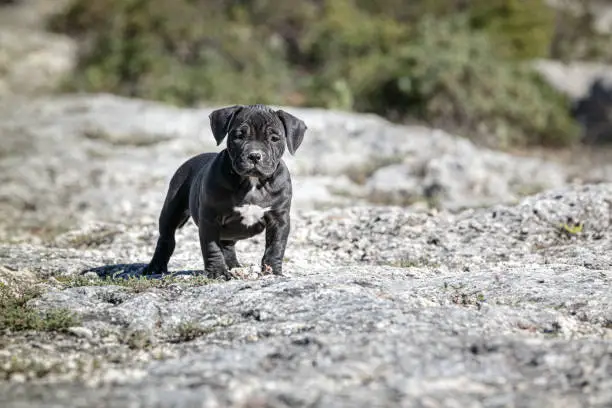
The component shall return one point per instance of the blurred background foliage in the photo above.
(462, 65)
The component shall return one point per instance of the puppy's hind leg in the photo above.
(174, 215)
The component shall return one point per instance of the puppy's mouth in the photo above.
(259, 170)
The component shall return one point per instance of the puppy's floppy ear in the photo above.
(220, 121)
(294, 130)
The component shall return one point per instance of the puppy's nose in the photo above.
(255, 157)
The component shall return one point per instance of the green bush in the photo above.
(176, 51)
(450, 77)
(519, 29)
(454, 64)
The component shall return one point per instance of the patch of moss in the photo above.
(415, 263)
(137, 340)
(571, 228)
(16, 315)
(134, 284)
(462, 297)
(189, 331)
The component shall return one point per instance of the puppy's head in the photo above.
(256, 137)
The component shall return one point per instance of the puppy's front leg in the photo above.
(210, 243)
(277, 233)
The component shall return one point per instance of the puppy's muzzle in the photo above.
(255, 163)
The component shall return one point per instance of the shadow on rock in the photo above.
(126, 271)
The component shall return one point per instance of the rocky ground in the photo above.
(65, 160)
(422, 270)
(488, 287)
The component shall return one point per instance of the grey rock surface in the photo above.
(73, 159)
(493, 307)
(469, 295)
(474, 293)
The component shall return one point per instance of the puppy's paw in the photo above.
(154, 270)
(222, 274)
(232, 265)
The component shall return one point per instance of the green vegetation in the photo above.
(519, 29)
(16, 315)
(460, 66)
(460, 296)
(189, 331)
(134, 284)
(415, 263)
(571, 228)
(137, 339)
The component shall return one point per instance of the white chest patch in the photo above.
(251, 214)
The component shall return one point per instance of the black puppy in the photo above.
(236, 193)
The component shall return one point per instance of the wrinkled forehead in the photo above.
(257, 117)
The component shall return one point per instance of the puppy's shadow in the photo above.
(133, 270)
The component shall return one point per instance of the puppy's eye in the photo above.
(239, 134)
(275, 138)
